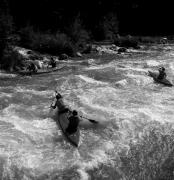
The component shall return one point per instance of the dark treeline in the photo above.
(64, 26)
(135, 17)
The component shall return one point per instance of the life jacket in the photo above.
(161, 75)
(73, 124)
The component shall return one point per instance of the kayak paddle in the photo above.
(91, 120)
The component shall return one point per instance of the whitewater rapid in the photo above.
(114, 91)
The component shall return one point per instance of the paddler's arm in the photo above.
(53, 105)
(165, 75)
(80, 119)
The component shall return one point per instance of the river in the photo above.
(112, 89)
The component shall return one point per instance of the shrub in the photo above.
(110, 26)
(54, 44)
(107, 28)
(77, 33)
(126, 41)
(149, 40)
(57, 43)
(26, 36)
(6, 25)
(12, 59)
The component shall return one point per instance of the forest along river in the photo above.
(114, 91)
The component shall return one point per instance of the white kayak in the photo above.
(62, 120)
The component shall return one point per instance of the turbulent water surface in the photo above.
(114, 91)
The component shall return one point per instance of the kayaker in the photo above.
(32, 67)
(162, 73)
(53, 63)
(73, 122)
(59, 104)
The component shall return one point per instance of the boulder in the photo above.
(78, 54)
(38, 64)
(164, 40)
(87, 49)
(122, 50)
(63, 57)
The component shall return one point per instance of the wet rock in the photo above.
(30, 52)
(78, 54)
(164, 40)
(33, 55)
(114, 47)
(87, 49)
(32, 67)
(38, 64)
(63, 57)
(122, 50)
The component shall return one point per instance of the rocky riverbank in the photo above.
(19, 59)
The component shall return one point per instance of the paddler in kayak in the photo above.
(73, 118)
(59, 104)
(73, 123)
(162, 73)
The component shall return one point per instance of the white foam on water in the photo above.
(33, 128)
(83, 174)
(32, 91)
(91, 61)
(2, 95)
(158, 113)
(123, 82)
(171, 54)
(97, 157)
(124, 113)
(36, 127)
(137, 50)
(168, 48)
(153, 63)
(171, 66)
(103, 66)
(46, 126)
(34, 161)
(134, 69)
(140, 79)
(7, 87)
(10, 109)
(31, 152)
(98, 101)
(90, 80)
(108, 145)
(28, 158)
(4, 75)
(23, 139)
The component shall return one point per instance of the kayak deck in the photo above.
(162, 81)
(62, 120)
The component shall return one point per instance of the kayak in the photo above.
(62, 120)
(162, 81)
(40, 71)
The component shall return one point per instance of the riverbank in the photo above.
(17, 59)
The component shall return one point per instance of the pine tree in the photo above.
(5, 26)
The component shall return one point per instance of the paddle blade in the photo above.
(93, 121)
